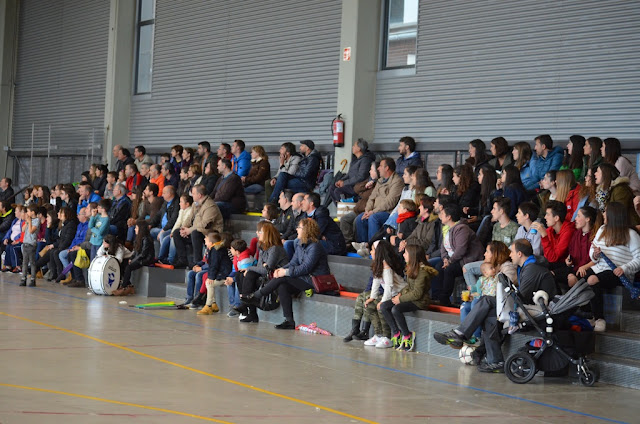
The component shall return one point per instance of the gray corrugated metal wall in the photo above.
(62, 65)
(518, 69)
(262, 71)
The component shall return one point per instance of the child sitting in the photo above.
(486, 286)
(144, 256)
(219, 268)
(32, 225)
(99, 225)
(242, 259)
(12, 241)
(407, 212)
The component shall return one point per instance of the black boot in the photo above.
(355, 329)
(364, 334)
(252, 316)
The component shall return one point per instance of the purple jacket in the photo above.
(466, 246)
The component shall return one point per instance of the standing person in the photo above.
(304, 180)
(361, 160)
(414, 296)
(556, 237)
(219, 269)
(612, 153)
(310, 259)
(501, 154)
(574, 159)
(241, 161)
(621, 243)
(611, 187)
(259, 173)
(408, 155)
(289, 163)
(29, 246)
(144, 256)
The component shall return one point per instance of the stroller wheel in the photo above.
(520, 367)
(588, 378)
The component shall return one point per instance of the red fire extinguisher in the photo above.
(337, 129)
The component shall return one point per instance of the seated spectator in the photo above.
(363, 192)
(460, 246)
(112, 178)
(361, 161)
(548, 158)
(224, 152)
(331, 237)
(304, 180)
(86, 196)
(134, 179)
(510, 186)
(408, 155)
(522, 157)
(291, 231)
(61, 262)
(259, 173)
(423, 234)
(487, 179)
(138, 208)
(241, 160)
(141, 157)
(486, 286)
(612, 154)
(162, 222)
(310, 259)
(204, 152)
(170, 177)
(44, 195)
(409, 192)
(611, 187)
(549, 191)
(144, 256)
(504, 229)
(100, 181)
(406, 221)
(587, 193)
(219, 269)
(270, 212)
(6, 191)
(574, 159)
(111, 246)
(501, 154)
(384, 197)
(567, 192)
(184, 183)
(209, 178)
(176, 159)
(467, 194)
(165, 158)
(188, 157)
(194, 173)
(271, 256)
(531, 278)
(122, 178)
(620, 242)
(527, 214)
(50, 236)
(206, 217)
(99, 225)
(387, 273)
(414, 296)
(156, 176)
(11, 241)
(119, 212)
(69, 197)
(228, 191)
(592, 150)
(167, 253)
(444, 176)
(66, 235)
(578, 262)
(289, 163)
(556, 237)
(123, 158)
(285, 202)
(7, 215)
(477, 155)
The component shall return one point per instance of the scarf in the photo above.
(404, 216)
(602, 197)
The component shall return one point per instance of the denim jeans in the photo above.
(465, 308)
(165, 244)
(472, 273)
(365, 229)
(194, 282)
(131, 233)
(391, 221)
(226, 209)
(285, 181)
(289, 247)
(154, 233)
(234, 295)
(64, 258)
(254, 189)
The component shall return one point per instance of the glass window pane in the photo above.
(146, 10)
(145, 49)
(401, 34)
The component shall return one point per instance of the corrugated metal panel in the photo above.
(62, 65)
(262, 71)
(517, 69)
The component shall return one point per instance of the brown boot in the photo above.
(128, 291)
(39, 274)
(214, 307)
(206, 310)
(67, 280)
(118, 292)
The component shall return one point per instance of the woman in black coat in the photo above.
(65, 234)
(144, 256)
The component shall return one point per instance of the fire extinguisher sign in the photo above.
(346, 54)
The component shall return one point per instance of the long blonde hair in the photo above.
(565, 182)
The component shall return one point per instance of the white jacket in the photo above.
(391, 282)
(626, 257)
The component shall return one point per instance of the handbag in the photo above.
(324, 283)
(271, 301)
(82, 260)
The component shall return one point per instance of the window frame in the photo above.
(139, 25)
(385, 41)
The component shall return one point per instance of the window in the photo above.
(400, 34)
(144, 48)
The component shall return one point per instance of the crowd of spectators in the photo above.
(554, 209)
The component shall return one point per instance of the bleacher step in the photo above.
(618, 371)
(620, 344)
(630, 322)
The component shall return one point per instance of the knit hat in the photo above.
(310, 144)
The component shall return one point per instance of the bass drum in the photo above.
(104, 275)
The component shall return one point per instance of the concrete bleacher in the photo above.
(617, 350)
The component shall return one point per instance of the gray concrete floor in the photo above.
(69, 357)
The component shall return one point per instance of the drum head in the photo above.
(104, 275)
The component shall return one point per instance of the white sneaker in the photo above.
(383, 343)
(372, 341)
(357, 246)
(242, 316)
(601, 325)
(364, 252)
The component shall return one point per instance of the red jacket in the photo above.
(572, 201)
(133, 182)
(579, 249)
(556, 246)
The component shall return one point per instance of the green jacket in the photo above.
(417, 289)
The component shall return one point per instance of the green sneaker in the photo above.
(408, 342)
(396, 341)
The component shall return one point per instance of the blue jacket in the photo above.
(8, 234)
(308, 259)
(516, 195)
(241, 164)
(81, 232)
(93, 198)
(220, 266)
(99, 228)
(542, 165)
(309, 168)
(330, 232)
(413, 160)
(527, 175)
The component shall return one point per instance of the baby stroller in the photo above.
(557, 346)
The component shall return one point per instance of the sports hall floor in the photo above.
(67, 357)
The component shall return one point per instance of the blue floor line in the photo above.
(423, 377)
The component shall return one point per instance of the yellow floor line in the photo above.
(169, 411)
(175, 364)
